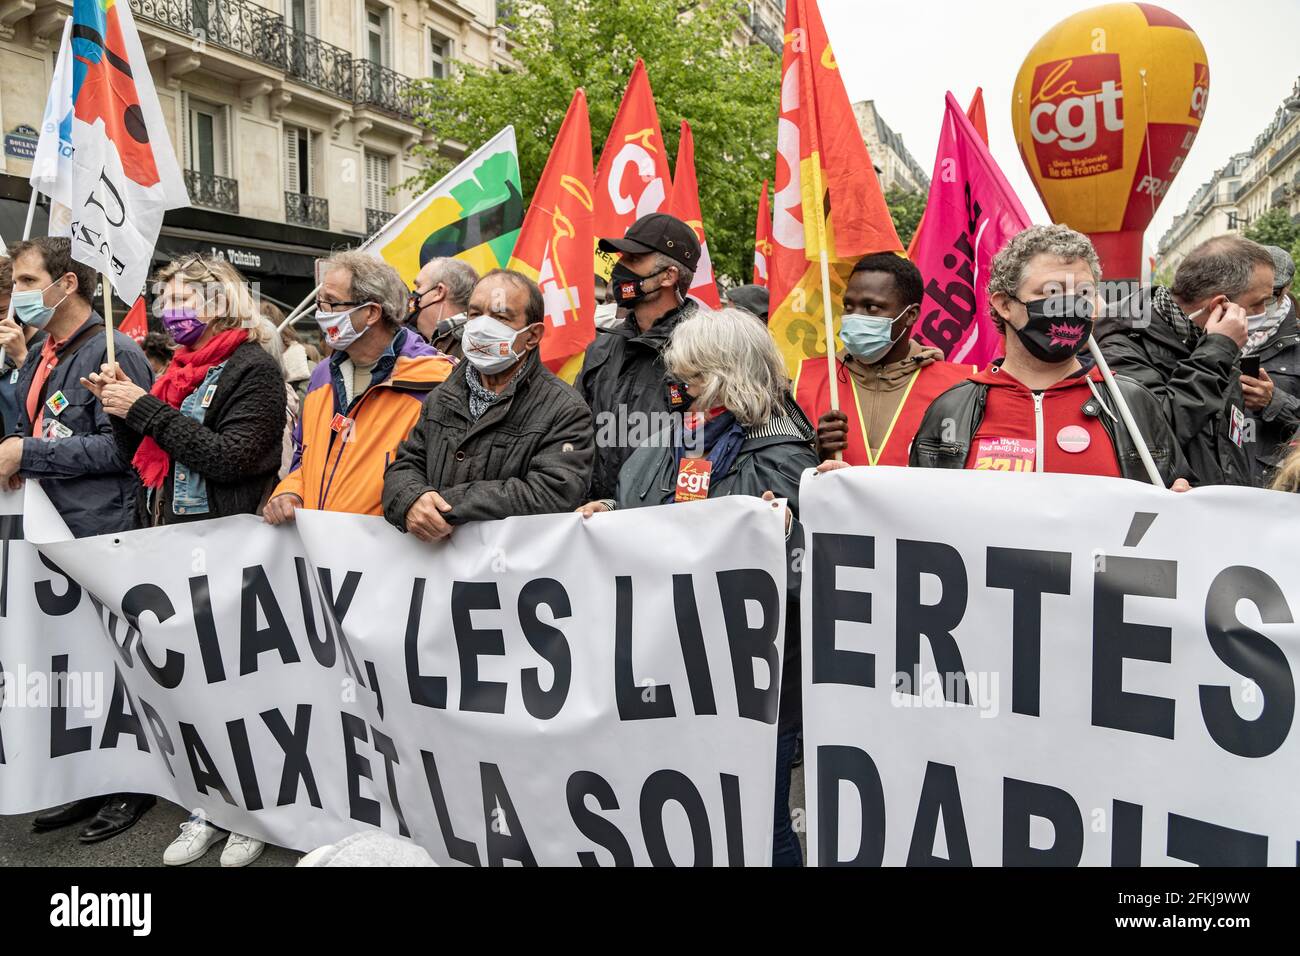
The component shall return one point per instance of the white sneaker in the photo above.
(241, 850)
(197, 834)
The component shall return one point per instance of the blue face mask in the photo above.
(867, 337)
(30, 308)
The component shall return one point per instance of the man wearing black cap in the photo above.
(623, 378)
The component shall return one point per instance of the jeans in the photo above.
(785, 842)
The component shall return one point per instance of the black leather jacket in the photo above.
(939, 445)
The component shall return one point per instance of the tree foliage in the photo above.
(726, 91)
(905, 208)
(1274, 228)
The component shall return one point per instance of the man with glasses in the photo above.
(361, 403)
(1186, 348)
(1273, 395)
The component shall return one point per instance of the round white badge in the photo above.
(1074, 439)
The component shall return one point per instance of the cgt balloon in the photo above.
(1105, 108)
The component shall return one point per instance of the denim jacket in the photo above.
(189, 488)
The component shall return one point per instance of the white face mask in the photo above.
(489, 344)
(338, 329)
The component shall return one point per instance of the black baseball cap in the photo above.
(659, 232)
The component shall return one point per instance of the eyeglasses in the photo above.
(323, 305)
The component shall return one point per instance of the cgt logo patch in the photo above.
(1200, 91)
(1077, 116)
(693, 479)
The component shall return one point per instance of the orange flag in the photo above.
(135, 324)
(975, 113)
(762, 239)
(685, 205)
(555, 241)
(632, 178)
(827, 194)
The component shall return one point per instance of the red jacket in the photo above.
(1023, 430)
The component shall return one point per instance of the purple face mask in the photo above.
(183, 325)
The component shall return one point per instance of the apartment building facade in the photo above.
(293, 120)
(895, 166)
(1263, 178)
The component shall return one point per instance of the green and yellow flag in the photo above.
(473, 213)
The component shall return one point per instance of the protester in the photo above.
(754, 440)
(439, 302)
(15, 339)
(622, 376)
(205, 439)
(885, 379)
(502, 436)
(272, 344)
(64, 437)
(1287, 477)
(365, 399)
(752, 298)
(296, 356)
(1184, 348)
(158, 348)
(1273, 397)
(1039, 408)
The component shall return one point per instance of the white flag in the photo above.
(52, 165)
(115, 168)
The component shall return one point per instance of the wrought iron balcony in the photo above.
(768, 36)
(376, 219)
(319, 64)
(383, 89)
(303, 210)
(236, 25)
(212, 192)
(1284, 153)
(1280, 196)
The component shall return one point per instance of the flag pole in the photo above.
(111, 357)
(1125, 414)
(827, 317)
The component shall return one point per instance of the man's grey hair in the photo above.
(457, 275)
(685, 276)
(1219, 266)
(1007, 271)
(373, 280)
(735, 360)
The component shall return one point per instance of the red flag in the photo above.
(762, 239)
(827, 194)
(685, 205)
(555, 241)
(978, 119)
(632, 178)
(135, 324)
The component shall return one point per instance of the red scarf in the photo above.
(187, 370)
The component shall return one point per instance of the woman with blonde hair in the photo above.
(1287, 477)
(206, 439)
(747, 437)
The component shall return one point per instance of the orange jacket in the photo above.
(339, 466)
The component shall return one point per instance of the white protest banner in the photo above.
(1048, 670)
(541, 689)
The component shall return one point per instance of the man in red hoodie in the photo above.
(1040, 408)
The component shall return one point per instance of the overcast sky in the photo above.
(906, 55)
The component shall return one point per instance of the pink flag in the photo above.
(971, 214)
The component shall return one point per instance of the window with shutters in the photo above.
(297, 160)
(439, 56)
(206, 150)
(377, 35)
(303, 16)
(377, 181)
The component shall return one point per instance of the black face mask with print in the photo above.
(1058, 327)
(627, 287)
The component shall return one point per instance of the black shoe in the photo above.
(66, 815)
(119, 814)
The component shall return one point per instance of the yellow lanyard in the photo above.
(862, 422)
